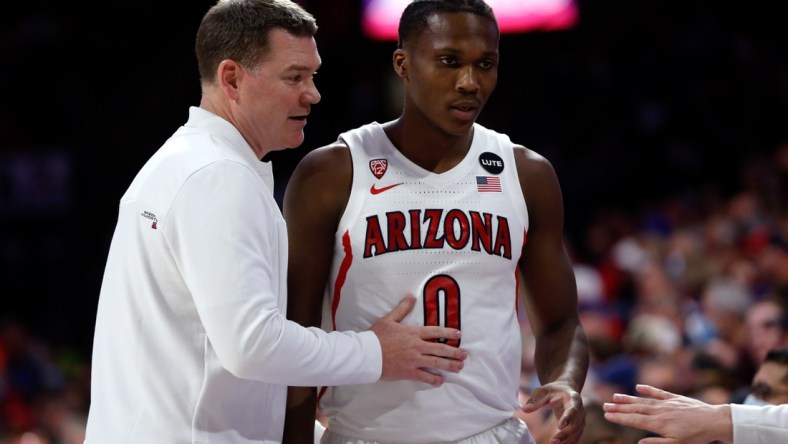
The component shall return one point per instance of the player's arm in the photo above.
(314, 200)
(561, 356)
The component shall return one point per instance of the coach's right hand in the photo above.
(409, 351)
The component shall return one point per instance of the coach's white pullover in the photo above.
(191, 342)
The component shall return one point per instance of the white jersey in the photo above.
(453, 240)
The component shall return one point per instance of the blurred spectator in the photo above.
(652, 334)
(662, 370)
(43, 398)
(601, 431)
(616, 374)
(770, 383)
(767, 327)
(725, 302)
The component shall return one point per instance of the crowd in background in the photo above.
(666, 123)
(687, 295)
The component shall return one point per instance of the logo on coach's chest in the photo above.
(151, 216)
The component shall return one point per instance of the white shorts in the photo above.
(510, 431)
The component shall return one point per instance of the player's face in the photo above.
(276, 97)
(451, 69)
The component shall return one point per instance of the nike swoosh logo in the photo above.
(374, 190)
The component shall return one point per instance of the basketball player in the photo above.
(436, 205)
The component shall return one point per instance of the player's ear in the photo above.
(400, 62)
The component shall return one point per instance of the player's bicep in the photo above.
(545, 264)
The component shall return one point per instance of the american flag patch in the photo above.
(488, 184)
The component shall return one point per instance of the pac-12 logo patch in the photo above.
(491, 162)
(378, 167)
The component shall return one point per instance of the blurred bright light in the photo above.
(380, 18)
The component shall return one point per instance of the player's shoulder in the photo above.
(533, 167)
(337, 155)
(521, 152)
(327, 157)
(526, 160)
(529, 157)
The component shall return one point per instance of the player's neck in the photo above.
(429, 147)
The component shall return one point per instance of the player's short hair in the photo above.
(238, 30)
(414, 18)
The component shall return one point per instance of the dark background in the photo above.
(641, 102)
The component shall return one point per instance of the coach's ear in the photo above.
(400, 62)
(228, 75)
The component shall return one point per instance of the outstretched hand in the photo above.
(409, 351)
(679, 419)
(567, 405)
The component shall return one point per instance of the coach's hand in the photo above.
(408, 351)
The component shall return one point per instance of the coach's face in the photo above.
(275, 98)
